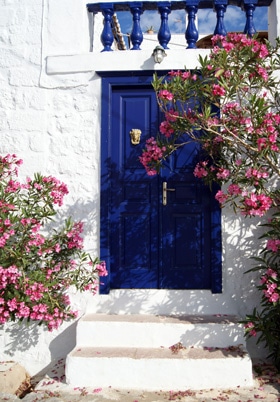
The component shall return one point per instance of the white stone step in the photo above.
(153, 331)
(159, 368)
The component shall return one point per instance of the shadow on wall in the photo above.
(29, 346)
(23, 337)
(87, 212)
(241, 243)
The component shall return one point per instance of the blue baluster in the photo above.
(249, 7)
(107, 36)
(164, 34)
(220, 7)
(136, 36)
(191, 34)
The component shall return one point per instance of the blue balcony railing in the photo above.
(164, 8)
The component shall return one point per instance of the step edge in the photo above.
(189, 353)
(161, 318)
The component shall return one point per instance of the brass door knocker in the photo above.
(135, 135)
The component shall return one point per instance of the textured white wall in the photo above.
(50, 117)
(52, 123)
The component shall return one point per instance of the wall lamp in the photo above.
(159, 54)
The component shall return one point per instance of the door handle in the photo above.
(164, 192)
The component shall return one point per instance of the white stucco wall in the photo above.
(50, 117)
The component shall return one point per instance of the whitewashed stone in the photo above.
(50, 104)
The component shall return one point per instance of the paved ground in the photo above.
(53, 389)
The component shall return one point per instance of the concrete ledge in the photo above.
(127, 60)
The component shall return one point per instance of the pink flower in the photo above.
(273, 245)
(256, 204)
(223, 174)
(263, 73)
(270, 272)
(41, 308)
(263, 51)
(12, 186)
(274, 298)
(101, 269)
(38, 186)
(175, 73)
(75, 240)
(12, 304)
(2, 242)
(166, 129)
(250, 327)
(200, 171)
(57, 248)
(151, 156)
(186, 74)
(23, 310)
(59, 189)
(171, 115)
(270, 287)
(255, 173)
(263, 279)
(217, 90)
(228, 46)
(262, 143)
(221, 197)
(165, 95)
(234, 189)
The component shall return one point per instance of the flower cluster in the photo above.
(250, 329)
(256, 204)
(236, 42)
(228, 106)
(152, 155)
(250, 204)
(269, 282)
(38, 264)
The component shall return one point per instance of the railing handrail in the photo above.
(108, 9)
(124, 5)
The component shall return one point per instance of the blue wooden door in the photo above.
(158, 232)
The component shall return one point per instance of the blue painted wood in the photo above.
(107, 36)
(164, 34)
(191, 34)
(136, 36)
(146, 244)
(216, 245)
(249, 7)
(220, 7)
(176, 5)
(191, 6)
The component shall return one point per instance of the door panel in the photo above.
(147, 244)
(133, 193)
(186, 235)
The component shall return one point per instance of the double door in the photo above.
(160, 231)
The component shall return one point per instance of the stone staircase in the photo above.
(159, 352)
